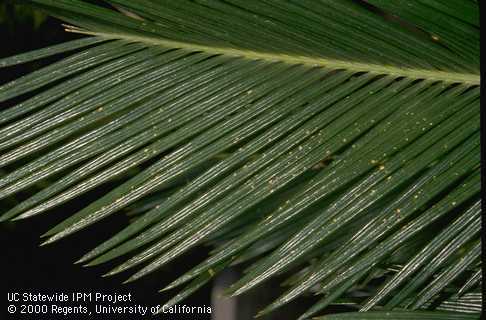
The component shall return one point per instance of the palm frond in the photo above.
(345, 133)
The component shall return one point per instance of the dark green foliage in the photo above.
(329, 141)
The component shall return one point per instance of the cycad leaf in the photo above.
(342, 132)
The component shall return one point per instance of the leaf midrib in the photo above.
(425, 74)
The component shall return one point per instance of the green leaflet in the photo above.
(469, 303)
(401, 315)
(46, 52)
